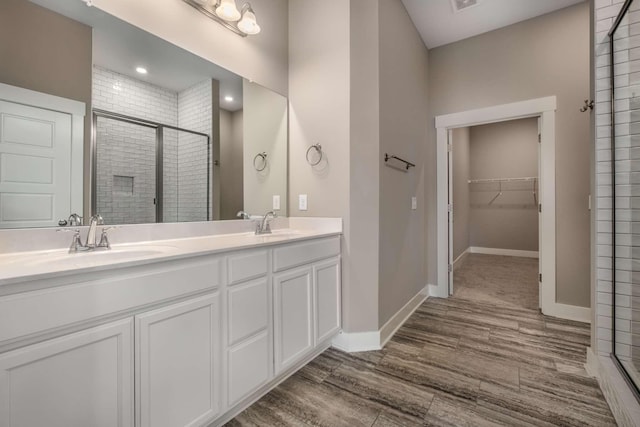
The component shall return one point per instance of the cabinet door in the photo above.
(250, 363)
(81, 379)
(327, 292)
(293, 330)
(178, 363)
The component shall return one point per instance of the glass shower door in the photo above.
(125, 171)
(186, 176)
(625, 200)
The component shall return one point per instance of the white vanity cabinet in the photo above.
(249, 324)
(306, 298)
(186, 342)
(179, 363)
(80, 379)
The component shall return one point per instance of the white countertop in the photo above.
(38, 265)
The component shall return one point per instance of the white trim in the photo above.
(41, 100)
(498, 113)
(623, 404)
(352, 342)
(543, 108)
(436, 291)
(569, 312)
(397, 320)
(376, 340)
(503, 252)
(76, 110)
(458, 262)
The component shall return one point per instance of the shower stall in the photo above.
(147, 172)
(625, 193)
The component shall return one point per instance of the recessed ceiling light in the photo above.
(459, 5)
(141, 70)
(228, 98)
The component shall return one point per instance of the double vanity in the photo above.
(184, 331)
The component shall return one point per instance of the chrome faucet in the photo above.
(90, 245)
(91, 235)
(243, 215)
(263, 227)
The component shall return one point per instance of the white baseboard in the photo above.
(568, 312)
(352, 342)
(398, 319)
(504, 252)
(458, 262)
(623, 404)
(369, 341)
(436, 291)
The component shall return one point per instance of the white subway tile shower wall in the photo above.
(194, 113)
(131, 152)
(627, 68)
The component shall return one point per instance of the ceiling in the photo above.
(439, 25)
(121, 47)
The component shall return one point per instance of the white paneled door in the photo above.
(35, 166)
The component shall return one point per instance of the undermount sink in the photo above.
(282, 233)
(62, 259)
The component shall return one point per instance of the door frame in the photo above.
(545, 109)
(76, 110)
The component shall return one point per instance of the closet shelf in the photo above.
(484, 181)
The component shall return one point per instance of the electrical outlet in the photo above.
(414, 203)
(302, 202)
(276, 202)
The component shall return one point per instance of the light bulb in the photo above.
(228, 11)
(248, 24)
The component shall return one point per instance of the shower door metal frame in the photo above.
(159, 127)
(635, 388)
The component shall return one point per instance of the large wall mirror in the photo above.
(166, 136)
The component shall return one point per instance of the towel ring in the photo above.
(318, 149)
(263, 156)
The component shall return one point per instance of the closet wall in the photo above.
(482, 217)
(504, 150)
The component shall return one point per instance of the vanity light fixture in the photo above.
(225, 12)
(228, 98)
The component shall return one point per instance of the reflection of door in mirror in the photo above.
(36, 159)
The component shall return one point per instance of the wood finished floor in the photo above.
(455, 362)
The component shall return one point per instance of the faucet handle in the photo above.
(76, 241)
(104, 238)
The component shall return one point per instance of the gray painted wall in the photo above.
(264, 130)
(548, 55)
(461, 208)
(504, 150)
(261, 58)
(403, 132)
(371, 81)
(36, 39)
(231, 167)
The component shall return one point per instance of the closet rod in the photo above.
(480, 181)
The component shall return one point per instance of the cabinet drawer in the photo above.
(84, 299)
(304, 253)
(249, 364)
(248, 309)
(246, 266)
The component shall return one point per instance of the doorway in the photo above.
(494, 188)
(544, 108)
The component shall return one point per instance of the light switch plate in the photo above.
(276, 202)
(414, 203)
(302, 202)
